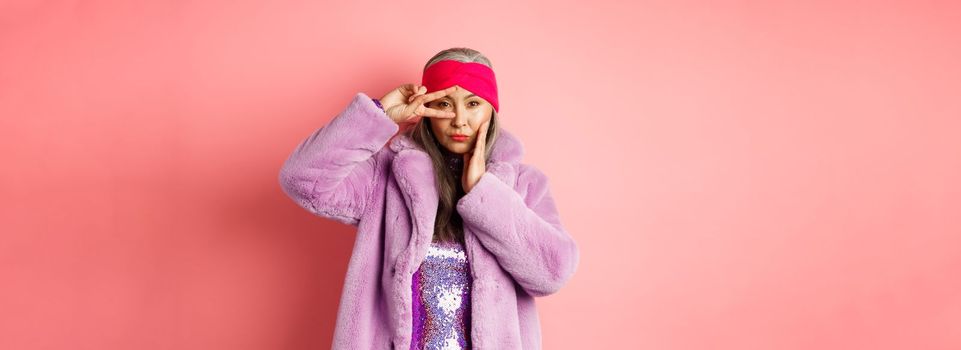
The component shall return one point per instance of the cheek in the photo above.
(433, 123)
(478, 118)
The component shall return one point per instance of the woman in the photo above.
(455, 235)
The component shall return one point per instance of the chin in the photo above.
(459, 149)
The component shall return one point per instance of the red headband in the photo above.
(475, 77)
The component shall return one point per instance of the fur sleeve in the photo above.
(524, 231)
(333, 171)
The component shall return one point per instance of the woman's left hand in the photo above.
(475, 164)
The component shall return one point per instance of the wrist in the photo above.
(379, 105)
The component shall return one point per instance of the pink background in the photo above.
(741, 175)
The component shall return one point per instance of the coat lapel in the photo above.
(413, 172)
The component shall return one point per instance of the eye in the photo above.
(476, 103)
(442, 103)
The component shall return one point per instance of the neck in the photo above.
(454, 161)
(448, 154)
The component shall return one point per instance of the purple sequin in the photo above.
(441, 299)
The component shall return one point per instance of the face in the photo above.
(471, 111)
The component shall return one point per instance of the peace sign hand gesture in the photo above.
(475, 162)
(405, 104)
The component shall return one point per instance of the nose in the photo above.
(460, 117)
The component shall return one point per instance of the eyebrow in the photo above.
(468, 96)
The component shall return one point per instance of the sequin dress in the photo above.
(441, 292)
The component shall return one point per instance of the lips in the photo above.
(459, 137)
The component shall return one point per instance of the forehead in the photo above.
(461, 93)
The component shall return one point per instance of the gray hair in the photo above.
(461, 54)
(448, 224)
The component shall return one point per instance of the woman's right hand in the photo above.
(405, 104)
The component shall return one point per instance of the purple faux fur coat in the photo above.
(514, 239)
